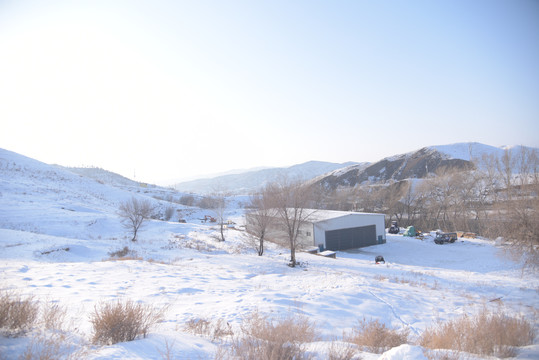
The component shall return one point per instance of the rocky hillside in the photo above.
(411, 165)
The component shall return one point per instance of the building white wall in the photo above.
(313, 234)
(348, 221)
(276, 233)
(306, 236)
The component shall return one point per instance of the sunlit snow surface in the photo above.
(57, 230)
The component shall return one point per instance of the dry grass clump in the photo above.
(267, 339)
(43, 348)
(120, 321)
(339, 350)
(17, 314)
(53, 316)
(124, 254)
(212, 329)
(443, 355)
(486, 334)
(375, 337)
(53, 346)
(182, 242)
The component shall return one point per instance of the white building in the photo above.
(338, 230)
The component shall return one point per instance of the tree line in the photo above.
(498, 197)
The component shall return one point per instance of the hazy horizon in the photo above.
(171, 89)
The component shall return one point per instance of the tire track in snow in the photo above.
(394, 312)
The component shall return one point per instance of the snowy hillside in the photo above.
(59, 231)
(251, 181)
(468, 151)
(102, 175)
(44, 199)
(416, 164)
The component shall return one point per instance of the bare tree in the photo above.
(519, 212)
(220, 210)
(187, 200)
(134, 212)
(412, 202)
(505, 167)
(291, 199)
(392, 197)
(260, 218)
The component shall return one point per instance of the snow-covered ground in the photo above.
(58, 229)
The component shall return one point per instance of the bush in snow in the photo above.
(17, 314)
(375, 337)
(124, 254)
(187, 200)
(169, 211)
(486, 334)
(213, 329)
(53, 316)
(339, 350)
(267, 339)
(53, 346)
(122, 321)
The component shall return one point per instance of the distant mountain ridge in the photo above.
(413, 165)
(250, 181)
(416, 164)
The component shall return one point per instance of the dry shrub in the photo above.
(267, 339)
(486, 334)
(53, 316)
(198, 326)
(52, 346)
(212, 329)
(342, 351)
(17, 314)
(168, 353)
(123, 253)
(126, 258)
(120, 321)
(190, 243)
(375, 337)
(442, 355)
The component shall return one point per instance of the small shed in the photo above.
(333, 230)
(342, 230)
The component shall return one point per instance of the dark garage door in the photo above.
(351, 238)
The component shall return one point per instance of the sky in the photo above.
(163, 90)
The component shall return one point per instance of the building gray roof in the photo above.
(318, 215)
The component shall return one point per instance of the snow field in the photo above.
(58, 229)
(334, 293)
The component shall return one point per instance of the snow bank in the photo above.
(404, 352)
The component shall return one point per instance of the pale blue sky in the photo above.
(171, 89)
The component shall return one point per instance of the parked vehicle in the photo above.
(394, 229)
(442, 238)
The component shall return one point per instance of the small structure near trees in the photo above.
(281, 213)
(281, 205)
(325, 229)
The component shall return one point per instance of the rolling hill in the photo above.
(251, 181)
(416, 164)
(60, 234)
